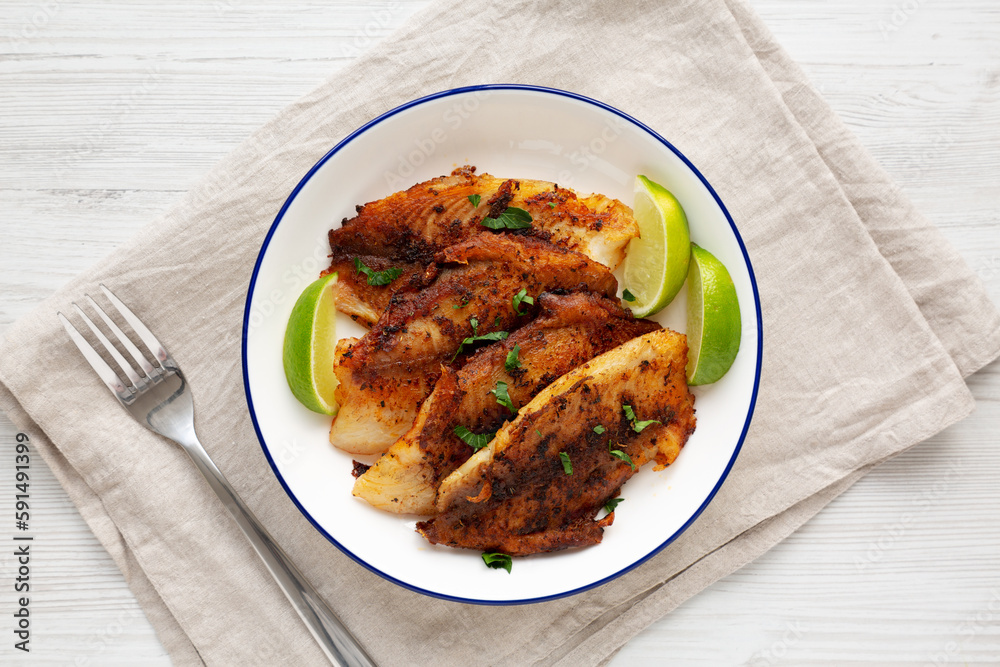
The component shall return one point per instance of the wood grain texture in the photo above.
(111, 111)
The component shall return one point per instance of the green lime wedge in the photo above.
(657, 261)
(309, 344)
(713, 319)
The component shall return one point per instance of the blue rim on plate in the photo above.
(423, 100)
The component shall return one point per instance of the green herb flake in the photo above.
(503, 398)
(377, 278)
(476, 441)
(474, 200)
(475, 324)
(619, 454)
(639, 426)
(552, 204)
(628, 296)
(512, 361)
(519, 298)
(497, 561)
(465, 302)
(512, 218)
(612, 504)
(471, 340)
(567, 464)
(599, 429)
(539, 433)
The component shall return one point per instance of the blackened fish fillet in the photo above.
(407, 229)
(540, 483)
(468, 291)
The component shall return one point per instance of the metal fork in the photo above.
(159, 398)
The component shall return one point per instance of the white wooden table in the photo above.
(110, 111)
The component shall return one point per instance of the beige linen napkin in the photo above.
(870, 323)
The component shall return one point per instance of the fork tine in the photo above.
(145, 334)
(139, 357)
(99, 365)
(112, 350)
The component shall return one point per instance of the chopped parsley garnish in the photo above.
(612, 504)
(552, 204)
(474, 199)
(567, 464)
(377, 278)
(512, 361)
(476, 441)
(628, 296)
(497, 561)
(503, 398)
(619, 454)
(465, 302)
(539, 433)
(512, 218)
(471, 340)
(475, 324)
(519, 298)
(599, 429)
(638, 426)
(496, 321)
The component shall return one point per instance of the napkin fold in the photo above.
(871, 321)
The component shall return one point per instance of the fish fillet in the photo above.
(407, 229)
(515, 496)
(568, 331)
(467, 291)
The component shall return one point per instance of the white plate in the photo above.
(507, 131)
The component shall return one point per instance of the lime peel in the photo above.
(714, 327)
(657, 261)
(308, 351)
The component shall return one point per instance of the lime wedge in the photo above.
(657, 261)
(309, 344)
(713, 319)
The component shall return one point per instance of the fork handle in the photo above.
(331, 635)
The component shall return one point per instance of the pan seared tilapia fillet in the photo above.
(568, 331)
(514, 496)
(386, 375)
(407, 229)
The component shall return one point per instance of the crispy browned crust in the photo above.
(515, 496)
(387, 374)
(569, 330)
(407, 229)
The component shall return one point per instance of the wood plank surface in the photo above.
(112, 110)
